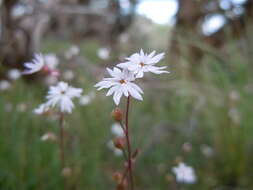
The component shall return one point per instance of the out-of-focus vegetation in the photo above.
(200, 114)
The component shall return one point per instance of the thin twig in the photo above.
(130, 170)
(61, 125)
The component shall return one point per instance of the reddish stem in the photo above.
(62, 155)
(130, 169)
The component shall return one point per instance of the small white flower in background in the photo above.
(73, 51)
(234, 115)
(22, 107)
(116, 151)
(14, 74)
(117, 130)
(184, 174)
(50, 80)
(61, 96)
(4, 85)
(35, 65)
(40, 62)
(50, 136)
(103, 53)
(120, 84)
(86, 99)
(207, 150)
(8, 107)
(140, 63)
(124, 38)
(43, 108)
(68, 75)
(51, 60)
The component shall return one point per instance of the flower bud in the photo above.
(117, 114)
(122, 185)
(117, 177)
(119, 142)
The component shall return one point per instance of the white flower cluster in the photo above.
(184, 173)
(122, 80)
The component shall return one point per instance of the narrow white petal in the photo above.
(134, 93)
(112, 90)
(136, 87)
(140, 74)
(117, 96)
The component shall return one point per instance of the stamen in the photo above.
(122, 81)
(142, 64)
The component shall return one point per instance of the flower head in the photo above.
(40, 62)
(141, 62)
(120, 84)
(51, 60)
(4, 85)
(35, 65)
(14, 74)
(61, 96)
(184, 173)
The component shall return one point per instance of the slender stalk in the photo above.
(130, 169)
(61, 125)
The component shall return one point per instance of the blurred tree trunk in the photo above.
(187, 34)
(186, 29)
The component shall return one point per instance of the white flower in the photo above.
(68, 75)
(22, 107)
(73, 51)
(50, 80)
(41, 109)
(51, 60)
(4, 85)
(116, 151)
(47, 63)
(14, 74)
(86, 99)
(120, 84)
(61, 96)
(184, 173)
(103, 53)
(36, 65)
(117, 130)
(207, 150)
(140, 63)
(49, 136)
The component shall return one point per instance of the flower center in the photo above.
(63, 92)
(122, 81)
(141, 64)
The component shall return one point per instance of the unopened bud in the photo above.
(45, 69)
(119, 142)
(122, 185)
(117, 114)
(117, 177)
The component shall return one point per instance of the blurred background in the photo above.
(200, 114)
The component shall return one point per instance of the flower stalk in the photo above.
(129, 161)
(62, 152)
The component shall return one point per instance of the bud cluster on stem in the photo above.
(124, 144)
